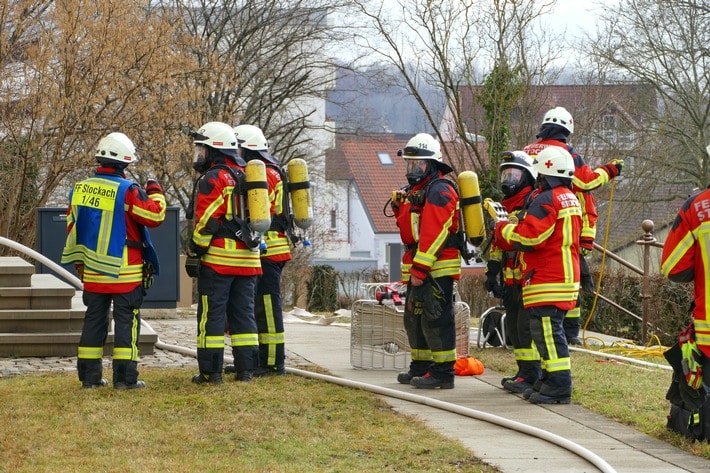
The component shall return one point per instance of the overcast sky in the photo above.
(580, 15)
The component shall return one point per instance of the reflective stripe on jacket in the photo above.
(548, 238)
(213, 209)
(686, 258)
(426, 229)
(100, 222)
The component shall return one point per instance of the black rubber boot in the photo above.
(244, 376)
(429, 382)
(518, 385)
(137, 385)
(91, 373)
(278, 370)
(539, 398)
(207, 378)
(405, 377)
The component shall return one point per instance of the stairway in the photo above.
(41, 315)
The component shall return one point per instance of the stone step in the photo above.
(46, 291)
(63, 344)
(15, 272)
(41, 321)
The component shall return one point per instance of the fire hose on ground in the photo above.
(575, 448)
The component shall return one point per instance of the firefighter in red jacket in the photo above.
(268, 307)
(685, 258)
(111, 249)
(223, 253)
(548, 240)
(427, 213)
(557, 125)
(517, 178)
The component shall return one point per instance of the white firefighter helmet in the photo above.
(250, 137)
(559, 116)
(425, 146)
(116, 147)
(554, 161)
(217, 135)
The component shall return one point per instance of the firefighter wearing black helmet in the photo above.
(548, 241)
(504, 275)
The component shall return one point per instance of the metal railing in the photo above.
(647, 241)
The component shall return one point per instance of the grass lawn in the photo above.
(279, 424)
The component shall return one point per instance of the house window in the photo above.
(334, 219)
(609, 129)
(385, 158)
(608, 122)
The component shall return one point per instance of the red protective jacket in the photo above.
(428, 225)
(509, 260)
(213, 209)
(686, 257)
(548, 237)
(585, 180)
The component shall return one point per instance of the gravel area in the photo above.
(180, 331)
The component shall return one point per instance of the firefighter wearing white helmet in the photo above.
(555, 130)
(115, 261)
(504, 274)
(427, 213)
(559, 116)
(268, 309)
(223, 255)
(547, 240)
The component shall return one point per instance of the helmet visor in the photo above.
(417, 167)
(511, 175)
(511, 179)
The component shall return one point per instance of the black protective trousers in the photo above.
(127, 322)
(268, 311)
(226, 298)
(517, 321)
(433, 336)
(549, 336)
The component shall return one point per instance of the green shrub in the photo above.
(668, 307)
(323, 289)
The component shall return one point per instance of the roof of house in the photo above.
(586, 103)
(357, 158)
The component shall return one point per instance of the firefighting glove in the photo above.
(153, 187)
(398, 197)
(148, 272)
(426, 299)
(192, 265)
(492, 282)
(493, 286)
(679, 393)
(585, 275)
(613, 167)
(692, 363)
(496, 210)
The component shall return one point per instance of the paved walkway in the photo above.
(319, 342)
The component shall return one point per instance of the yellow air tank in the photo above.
(471, 207)
(258, 196)
(300, 189)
